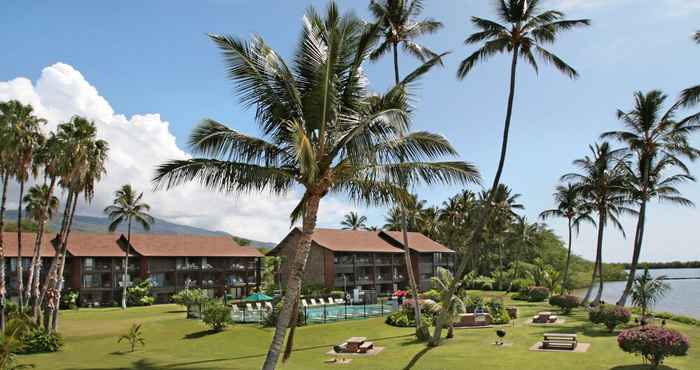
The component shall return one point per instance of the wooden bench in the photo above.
(366, 346)
(559, 341)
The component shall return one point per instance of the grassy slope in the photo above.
(176, 343)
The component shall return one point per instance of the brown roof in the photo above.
(418, 242)
(172, 245)
(82, 244)
(352, 241)
(28, 239)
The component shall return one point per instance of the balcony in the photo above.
(188, 267)
(382, 261)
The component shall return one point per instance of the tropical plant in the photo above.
(603, 186)
(565, 302)
(609, 315)
(327, 134)
(455, 305)
(538, 293)
(353, 221)
(140, 294)
(648, 290)
(128, 207)
(524, 30)
(569, 206)
(134, 336)
(11, 341)
(191, 298)
(691, 95)
(39, 340)
(217, 316)
(658, 143)
(653, 343)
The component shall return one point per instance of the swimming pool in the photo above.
(323, 313)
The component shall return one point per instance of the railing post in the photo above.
(364, 305)
(346, 309)
(244, 310)
(381, 307)
(306, 315)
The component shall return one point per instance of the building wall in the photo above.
(316, 271)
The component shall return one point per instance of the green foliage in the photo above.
(653, 343)
(270, 264)
(217, 316)
(565, 302)
(406, 318)
(537, 293)
(134, 336)
(11, 340)
(647, 290)
(432, 294)
(39, 340)
(498, 312)
(270, 320)
(70, 300)
(139, 294)
(314, 290)
(671, 316)
(521, 285)
(191, 299)
(609, 315)
(482, 283)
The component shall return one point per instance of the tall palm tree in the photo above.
(127, 207)
(324, 132)
(570, 206)
(6, 152)
(648, 290)
(353, 221)
(396, 20)
(656, 139)
(26, 136)
(41, 206)
(521, 236)
(602, 184)
(691, 95)
(524, 30)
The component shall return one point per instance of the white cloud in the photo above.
(141, 142)
(671, 7)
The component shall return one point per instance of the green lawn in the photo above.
(174, 342)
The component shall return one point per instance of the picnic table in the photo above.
(559, 341)
(352, 345)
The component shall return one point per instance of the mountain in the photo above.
(100, 224)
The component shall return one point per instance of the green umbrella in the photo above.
(258, 297)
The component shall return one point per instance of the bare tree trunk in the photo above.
(475, 239)
(126, 264)
(638, 237)
(296, 275)
(598, 257)
(55, 305)
(565, 282)
(35, 268)
(3, 289)
(20, 268)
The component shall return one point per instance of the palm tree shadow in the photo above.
(200, 334)
(144, 365)
(417, 357)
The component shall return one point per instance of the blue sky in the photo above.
(154, 57)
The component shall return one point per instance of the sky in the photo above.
(147, 74)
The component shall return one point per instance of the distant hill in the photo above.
(100, 224)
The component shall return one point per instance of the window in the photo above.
(89, 264)
(157, 279)
(13, 264)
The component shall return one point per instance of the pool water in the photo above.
(343, 312)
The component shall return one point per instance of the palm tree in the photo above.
(353, 221)
(524, 31)
(691, 95)
(521, 236)
(654, 137)
(602, 184)
(452, 305)
(325, 132)
(127, 206)
(570, 206)
(396, 19)
(5, 171)
(648, 290)
(41, 206)
(501, 205)
(26, 136)
(412, 208)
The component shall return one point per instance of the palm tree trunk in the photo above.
(126, 264)
(20, 269)
(292, 329)
(599, 295)
(565, 282)
(3, 291)
(475, 239)
(638, 236)
(421, 331)
(55, 305)
(35, 268)
(598, 257)
(296, 275)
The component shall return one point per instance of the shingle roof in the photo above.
(28, 240)
(417, 242)
(352, 241)
(172, 245)
(82, 244)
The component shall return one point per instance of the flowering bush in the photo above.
(653, 343)
(610, 315)
(565, 302)
(537, 293)
(400, 293)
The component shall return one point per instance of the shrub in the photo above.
(406, 318)
(217, 315)
(653, 343)
(520, 296)
(40, 341)
(537, 293)
(565, 302)
(270, 320)
(133, 336)
(70, 300)
(139, 294)
(498, 312)
(432, 294)
(338, 294)
(482, 283)
(472, 302)
(190, 298)
(609, 315)
(521, 285)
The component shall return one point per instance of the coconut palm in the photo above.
(521, 237)
(5, 172)
(452, 305)
(128, 207)
(691, 95)
(570, 206)
(656, 138)
(602, 184)
(396, 20)
(412, 208)
(524, 31)
(25, 138)
(353, 221)
(648, 290)
(41, 206)
(324, 132)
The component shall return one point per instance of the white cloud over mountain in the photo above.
(137, 145)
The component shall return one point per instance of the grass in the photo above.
(173, 342)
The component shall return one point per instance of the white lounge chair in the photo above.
(313, 302)
(249, 307)
(268, 306)
(339, 301)
(304, 303)
(258, 306)
(321, 301)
